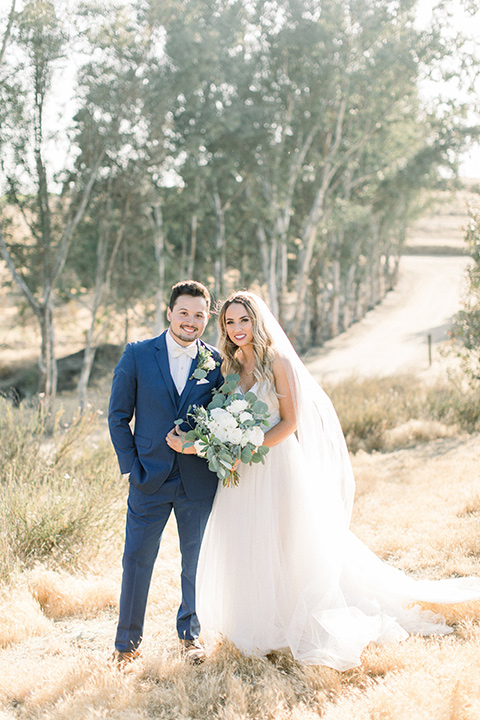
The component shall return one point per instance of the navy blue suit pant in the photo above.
(147, 516)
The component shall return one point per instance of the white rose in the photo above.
(209, 364)
(199, 446)
(223, 418)
(212, 426)
(223, 434)
(245, 416)
(254, 435)
(235, 435)
(238, 406)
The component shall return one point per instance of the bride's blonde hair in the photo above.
(263, 347)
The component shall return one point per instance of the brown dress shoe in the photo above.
(121, 658)
(193, 651)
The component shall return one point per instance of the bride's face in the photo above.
(239, 325)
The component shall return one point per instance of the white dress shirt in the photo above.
(180, 359)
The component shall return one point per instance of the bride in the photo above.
(279, 566)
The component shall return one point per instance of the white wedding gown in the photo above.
(276, 571)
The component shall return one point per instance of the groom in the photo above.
(154, 380)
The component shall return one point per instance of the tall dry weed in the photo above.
(387, 413)
(59, 489)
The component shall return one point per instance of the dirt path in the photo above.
(393, 337)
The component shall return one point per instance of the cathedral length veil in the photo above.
(360, 597)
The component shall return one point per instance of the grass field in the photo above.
(417, 507)
(416, 462)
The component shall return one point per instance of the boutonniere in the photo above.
(205, 363)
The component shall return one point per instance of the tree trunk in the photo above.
(282, 277)
(193, 233)
(349, 298)
(314, 295)
(103, 276)
(8, 31)
(87, 364)
(309, 235)
(220, 259)
(193, 246)
(126, 327)
(268, 256)
(47, 363)
(273, 277)
(264, 255)
(335, 299)
(91, 341)
(159, 244)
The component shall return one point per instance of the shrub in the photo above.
(59, 489)
(456, 403)
(369, 409)
(466, 327)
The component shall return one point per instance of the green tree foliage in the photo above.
(298, 134)
(36, 249)
(275, 144)
(466, 329)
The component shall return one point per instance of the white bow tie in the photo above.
(190, 350)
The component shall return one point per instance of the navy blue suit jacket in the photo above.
(143, 386)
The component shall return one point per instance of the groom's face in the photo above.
(188, 318)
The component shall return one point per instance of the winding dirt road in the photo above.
(393, 337)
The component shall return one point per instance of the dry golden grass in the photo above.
(61, 595)
(21, 617)
(418, 507)
(414, 432)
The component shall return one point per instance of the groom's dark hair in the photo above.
(189, 287)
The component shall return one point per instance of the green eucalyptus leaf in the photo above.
(246, 455)
(214, 464)
(228, 387)
(233, 377)
(217, 401)
(199, 374)
(225, 455)
(260, 407)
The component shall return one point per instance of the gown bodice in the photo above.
(271, 401)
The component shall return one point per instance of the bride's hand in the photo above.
(176, 439)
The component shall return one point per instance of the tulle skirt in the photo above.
(273, 573)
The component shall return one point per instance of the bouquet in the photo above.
(228, 429)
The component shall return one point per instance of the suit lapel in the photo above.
(161, 356)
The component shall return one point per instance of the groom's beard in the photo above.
(187, 337)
